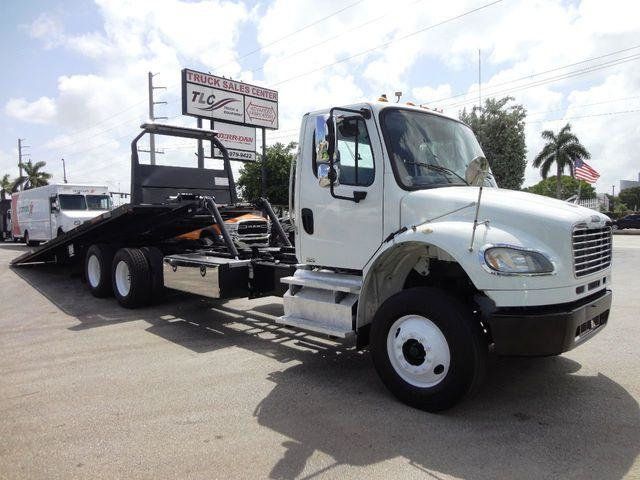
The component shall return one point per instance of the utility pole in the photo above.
(20, 154)
(64, 172)
(153, 118)
(479, 81)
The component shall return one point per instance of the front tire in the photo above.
(30, 243)
(427, 348)
(131, 278)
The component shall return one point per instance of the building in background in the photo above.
(624, 184)
(600, 203)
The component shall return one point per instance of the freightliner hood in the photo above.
(514, 218)
(519, 210)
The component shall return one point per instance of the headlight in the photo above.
(515, 261)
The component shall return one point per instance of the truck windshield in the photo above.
(72, 202)
(98, 202)
(427, 150)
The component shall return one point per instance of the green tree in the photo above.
(9, 186)
(631, 197)
(500, 130)
(562, 149)
(6, 183)
(278, 163)
(34, 176)
(568, 187)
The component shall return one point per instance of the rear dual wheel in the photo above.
(137, 276)
(132, 275)
(97, 270)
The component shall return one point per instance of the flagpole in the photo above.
(579, 182)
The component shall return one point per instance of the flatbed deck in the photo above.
(132, 225)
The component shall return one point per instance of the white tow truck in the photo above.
(403, 242)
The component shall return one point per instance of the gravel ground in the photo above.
(204, 390)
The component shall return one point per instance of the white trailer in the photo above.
(40, 214)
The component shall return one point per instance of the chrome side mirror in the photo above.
(325, 177)
(477, 171)
(324, 140)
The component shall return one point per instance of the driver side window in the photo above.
(354, 152)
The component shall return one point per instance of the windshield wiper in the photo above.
(437, 168)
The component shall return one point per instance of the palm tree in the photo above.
(563, 149)
(33, 176)
(8, 186)
(5, 183)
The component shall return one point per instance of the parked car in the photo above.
(629, 221)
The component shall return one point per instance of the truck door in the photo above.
(339, 232)
(54, 209)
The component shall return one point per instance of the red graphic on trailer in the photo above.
(15, 226)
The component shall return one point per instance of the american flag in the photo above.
(585, 172)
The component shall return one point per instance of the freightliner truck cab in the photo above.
(404, 239)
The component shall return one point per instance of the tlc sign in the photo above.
(212, 97)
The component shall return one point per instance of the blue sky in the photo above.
(75, 71)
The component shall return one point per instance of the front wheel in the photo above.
(29, 242)
(427, 348)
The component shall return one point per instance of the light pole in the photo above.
(64, 171)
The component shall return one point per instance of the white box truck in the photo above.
(40, 214)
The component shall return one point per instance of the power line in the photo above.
(604, 114)
(309, 25)
(462, 94)
(386, 44)
(330, 39)
(564, 76)
(542, 112)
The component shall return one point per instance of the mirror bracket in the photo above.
(332, 176)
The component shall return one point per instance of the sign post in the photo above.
(239, 104)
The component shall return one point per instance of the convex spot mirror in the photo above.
(324, 141)
(477, 171)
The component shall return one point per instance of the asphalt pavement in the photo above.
(200, 389)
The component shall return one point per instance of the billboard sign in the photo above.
(208, 96)
(239, 140)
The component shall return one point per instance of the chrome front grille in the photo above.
(591, 250)
(253, 227)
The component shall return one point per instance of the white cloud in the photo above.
(48, 29)
(97, 112)
(42, 110)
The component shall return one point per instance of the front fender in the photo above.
(386, 271)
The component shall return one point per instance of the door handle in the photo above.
(307, 220)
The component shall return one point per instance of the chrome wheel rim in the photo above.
(93, 271)
(123, 278)
(418, 351)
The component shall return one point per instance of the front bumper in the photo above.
(549, 330)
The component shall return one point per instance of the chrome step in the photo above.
(314, 326)
(325, 280)
(321, 301)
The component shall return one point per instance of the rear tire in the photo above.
(155, 259)
(427, 349)
(131, 278)
(30, 243)
(97, 270)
